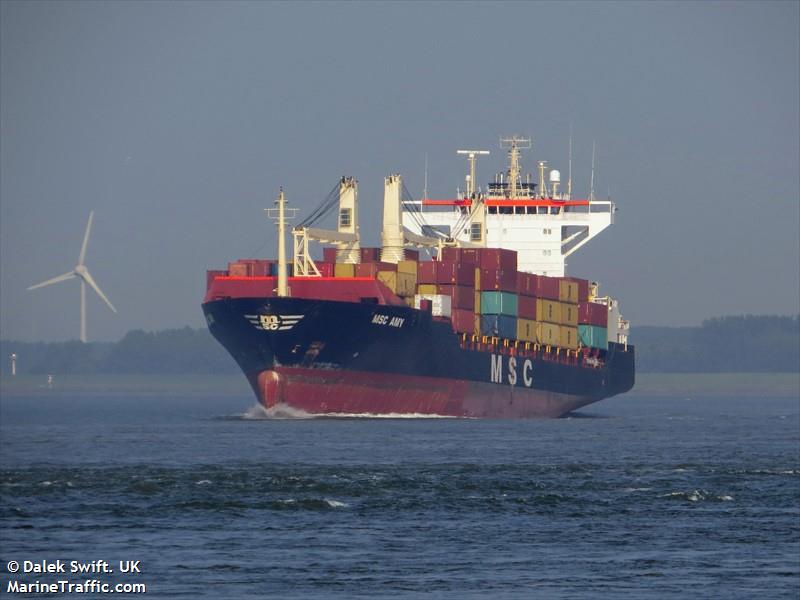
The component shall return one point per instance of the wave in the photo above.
(697, 496)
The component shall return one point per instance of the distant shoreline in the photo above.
(235, 385)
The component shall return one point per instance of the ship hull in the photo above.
(346, 358)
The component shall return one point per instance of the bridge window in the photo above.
(475, 233)
(554, 210)
(492, 210)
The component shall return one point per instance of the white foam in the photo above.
(203, 482)
(336, 503)
(283, 411)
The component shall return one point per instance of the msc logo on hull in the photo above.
(514, 373)
(274, 322)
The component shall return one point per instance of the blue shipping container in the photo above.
(593, 336)
(501, 326)
(499, 303)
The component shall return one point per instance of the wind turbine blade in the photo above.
(87, 277)
(63, 277)
(86, 238)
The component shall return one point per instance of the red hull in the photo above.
(332, 392)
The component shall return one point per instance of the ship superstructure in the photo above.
(543, 223)
(490, 328)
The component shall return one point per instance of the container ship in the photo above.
(464, 311)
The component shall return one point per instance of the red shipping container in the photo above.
(469, 256)
(463, 320)
(526, 284)
(411, 254)
(329, 255)
(583, 288)
(494, 279)
(461, 296)
(371, 269)
(444, 273)
(237, 269)
(461, 256)
(592, 313)
(526, 307)
(257, 267)
(426, 272)
(370, 255)
(498, 259)
(547, 287)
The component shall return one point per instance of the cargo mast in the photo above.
(279, 216)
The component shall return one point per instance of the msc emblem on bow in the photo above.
(274, 322)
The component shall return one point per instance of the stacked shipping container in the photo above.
(479, 290)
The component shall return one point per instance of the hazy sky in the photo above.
(178, 122)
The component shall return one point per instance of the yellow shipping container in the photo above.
(402, 284)
(548, 311)
(477, 329)
(569, 314)
(407, 266)
(548, 334)
(426, 289)
(568, 291)
(526, 330)
(569, 337)
(409, 301)
(344, 270)
(477, 302)
(477, 278)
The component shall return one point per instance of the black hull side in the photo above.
(263, 334)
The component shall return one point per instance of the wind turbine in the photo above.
(82, 273)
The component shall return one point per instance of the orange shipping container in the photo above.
(237, 269)
(407, 266)
(526, 330)
(548, 334)
(568, 291)
(548, 311)
(569, 314)
(344, 270)
(427, 289)
(568, 337)
(402, 284)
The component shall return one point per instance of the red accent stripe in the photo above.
(547, 202)
(462, 202)
(507, 202)
(271, 278)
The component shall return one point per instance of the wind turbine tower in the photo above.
(82, 273)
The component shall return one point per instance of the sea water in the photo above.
(630, 498)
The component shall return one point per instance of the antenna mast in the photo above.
(514, 144)
(279, 216)
(591, 181)
(569, 175)
(425, 189)
(471, 157)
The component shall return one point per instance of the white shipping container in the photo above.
(441, 304)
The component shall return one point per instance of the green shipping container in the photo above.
(593, 336)
(498, 303)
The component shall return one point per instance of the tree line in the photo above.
(721, 345)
